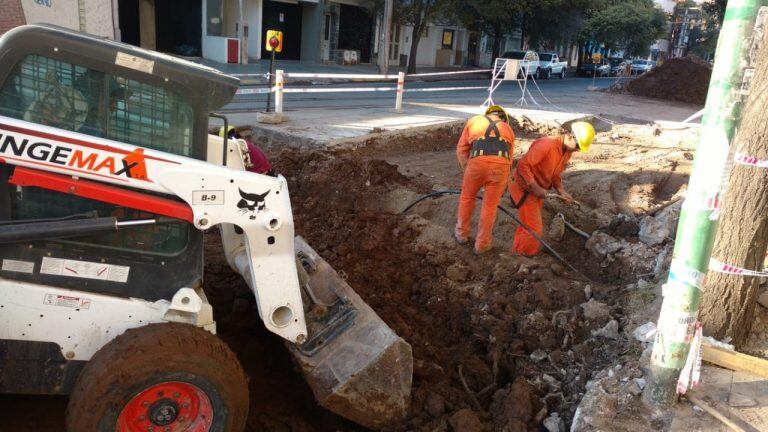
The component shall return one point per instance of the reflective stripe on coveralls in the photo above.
(490, 172)
(543, 163)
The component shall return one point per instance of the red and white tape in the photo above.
(717, 266)
(743, 159)
(691, 373)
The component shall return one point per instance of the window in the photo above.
(62, 95)
(58, 94)
(327, 33)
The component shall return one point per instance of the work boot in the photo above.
(479, 252)
(460, 240)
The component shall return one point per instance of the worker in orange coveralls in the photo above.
(537, 172)
(484, 153)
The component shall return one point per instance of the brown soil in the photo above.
(683, 79)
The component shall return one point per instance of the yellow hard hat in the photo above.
(497, 109)
(221, 130)
(584, 133)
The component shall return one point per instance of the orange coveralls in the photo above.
(543, 163)
(488, 172)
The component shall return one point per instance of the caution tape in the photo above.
(338, 89)
(339, 76)
(247, 91)
(717, 266)
(254, 75)
(474, 71)
(742, 159)
(691, 373)
(444, 89)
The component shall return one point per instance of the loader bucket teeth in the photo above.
(355, 364)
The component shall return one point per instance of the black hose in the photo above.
(508, 213)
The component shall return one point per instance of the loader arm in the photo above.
(259, 205)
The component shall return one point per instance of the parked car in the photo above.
(617, 65)
(550, 65)
(602, 69)
(640, 66)
(529, 61)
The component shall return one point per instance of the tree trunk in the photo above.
(415, 38)
(495, 51)
(728, 301)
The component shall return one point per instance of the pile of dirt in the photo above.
(499, 343)
(684, 79)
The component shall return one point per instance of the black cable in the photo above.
(508, 213)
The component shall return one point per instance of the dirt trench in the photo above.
(500, 342)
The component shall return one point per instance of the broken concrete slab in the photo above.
(602, 244)
(609, 331)
(595, 310)
(645, 333)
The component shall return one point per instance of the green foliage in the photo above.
(703, 41)
(715, 9)
(494, 17)
(632, 25)
(551, 22)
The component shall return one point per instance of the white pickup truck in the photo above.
(550, 65)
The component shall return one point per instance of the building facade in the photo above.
(12, 15)
(233, 31)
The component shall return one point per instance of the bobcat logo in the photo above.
(251, 203)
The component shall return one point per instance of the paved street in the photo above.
(569, 94)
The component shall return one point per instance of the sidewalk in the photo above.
(328, 128)
(337, 128)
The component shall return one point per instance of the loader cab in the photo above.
(100, 88)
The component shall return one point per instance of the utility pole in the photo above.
(698, 217)
(386, 29)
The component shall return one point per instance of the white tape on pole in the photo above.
(340, 76)
(261, 75)
(338, 90)
(451, 73)
(260, 90)
(446, 89)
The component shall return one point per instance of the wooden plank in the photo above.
(746, 387)
(734, 360)
(714, 413)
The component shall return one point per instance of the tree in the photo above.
(547, 23)
(631, 25)
(728, 301)
(419, 14)
(496, 18)
(715, 9)
(703, 40)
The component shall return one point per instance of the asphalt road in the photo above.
(550, 94)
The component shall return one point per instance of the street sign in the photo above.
(596, 58)
(274, 41)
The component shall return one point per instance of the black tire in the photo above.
(151, 357)
(537, 74)
(548, 74)
(562, 73)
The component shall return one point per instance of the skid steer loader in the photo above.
(108, 180)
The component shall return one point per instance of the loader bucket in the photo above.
(355, 364)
